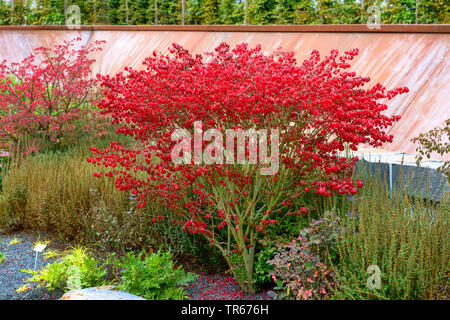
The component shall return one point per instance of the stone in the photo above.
(99, 293)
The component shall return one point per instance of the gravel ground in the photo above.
(21, 256)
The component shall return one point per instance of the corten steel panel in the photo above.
(412, 56)
(18, 44)
(427, 109)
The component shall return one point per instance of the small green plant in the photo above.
(153, 276)
(51, 254)
(26, 287)
(261, 276)
(74, 270)
(14, 241)
(2, 257)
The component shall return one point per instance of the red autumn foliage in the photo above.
(47, 98)
(318, 107)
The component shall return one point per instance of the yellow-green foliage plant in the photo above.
(75, 269)
(403, 235)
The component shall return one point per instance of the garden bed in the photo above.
(99, 164)
(18, 249)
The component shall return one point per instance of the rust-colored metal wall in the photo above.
(412, 56)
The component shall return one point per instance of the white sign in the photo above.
(40, 247)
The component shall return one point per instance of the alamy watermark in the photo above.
(74, 279)
(73, 17)
(220, 151)
(374, 280)
(374, 20)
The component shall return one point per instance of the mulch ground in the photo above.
(220, 287)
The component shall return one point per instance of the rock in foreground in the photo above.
(99, 293)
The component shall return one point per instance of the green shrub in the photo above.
(153, 276)
(2, 257)
(74, 270)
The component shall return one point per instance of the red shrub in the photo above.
(47, 97)
(318, 108)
